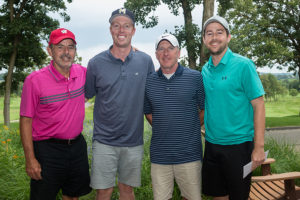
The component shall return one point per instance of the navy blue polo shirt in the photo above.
(174, 104)
(120, 89)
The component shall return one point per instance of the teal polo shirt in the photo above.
(229, 88)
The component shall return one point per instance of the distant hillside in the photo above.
(282, 76)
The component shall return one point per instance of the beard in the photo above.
(218, 51)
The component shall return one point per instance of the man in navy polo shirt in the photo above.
(234, 116)
(117, 77)
(174, 104)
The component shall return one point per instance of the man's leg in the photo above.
(221, 198)
(104, 169)
(126, 192)
(188, 178)
(162, 181)
(129, 170)
(64, 197)
(104, 194)
(51, 157)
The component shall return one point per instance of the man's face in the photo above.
(122, 30)
(216, 39)
(63, 54)
(167, 55)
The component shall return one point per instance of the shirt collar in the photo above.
(178, 71)
(58, 76)
(225, 59)
(114, 58)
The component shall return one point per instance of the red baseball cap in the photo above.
(60, 34)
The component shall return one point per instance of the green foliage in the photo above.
(30, 23)
(189, 35)
(279, 151)
(14, 181)
(267, 31)
(293, 92)
(272, 86)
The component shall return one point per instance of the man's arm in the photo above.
(201, 116)
(33, 168)
(258, 155)
(149, 118)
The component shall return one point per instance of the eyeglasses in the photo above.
(126, 27)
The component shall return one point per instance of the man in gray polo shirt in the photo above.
(117, 77)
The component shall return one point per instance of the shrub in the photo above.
(293, 92)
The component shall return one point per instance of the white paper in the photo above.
(247, 167)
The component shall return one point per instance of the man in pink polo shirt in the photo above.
(51, 121)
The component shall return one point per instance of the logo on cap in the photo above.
(122, 10)
(64, 31)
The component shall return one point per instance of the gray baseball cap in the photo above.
(218, 19)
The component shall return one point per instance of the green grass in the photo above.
(284, 112)
(14, 108)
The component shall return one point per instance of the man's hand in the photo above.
(33, 169)
(257, 157)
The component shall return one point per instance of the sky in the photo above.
(89, 23)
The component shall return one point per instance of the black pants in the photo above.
(222, 170)
(64, 166)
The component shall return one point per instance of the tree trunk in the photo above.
(208, 11)
(189, 33)
(8, 81)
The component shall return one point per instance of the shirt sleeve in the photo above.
(200, 91)
(29, 99)
(150, 66)
(147, 104)
(90, 89)
(251, 82)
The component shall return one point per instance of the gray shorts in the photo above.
(110, 161)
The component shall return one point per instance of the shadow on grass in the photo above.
(293, 120)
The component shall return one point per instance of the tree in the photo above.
(272, 86)
(267, 31)
(189, 35)
(23, 24)
(208, 11)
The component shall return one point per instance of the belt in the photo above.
(63, 141)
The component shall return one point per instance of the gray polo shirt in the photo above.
(119, 88)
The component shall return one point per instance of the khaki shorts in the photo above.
(187, 176)
(110, 162)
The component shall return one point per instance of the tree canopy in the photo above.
(23, 26)
(188, 36)
(267, 31)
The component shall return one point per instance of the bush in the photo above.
(293, 92)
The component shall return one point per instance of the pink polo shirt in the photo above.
(55, 103)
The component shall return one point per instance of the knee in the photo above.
(104, 192)
(125, 188)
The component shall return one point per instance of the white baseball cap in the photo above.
(169, 37)
(218, 19)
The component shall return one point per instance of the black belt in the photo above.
(62, 141)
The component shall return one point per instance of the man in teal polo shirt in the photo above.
(234, 116)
